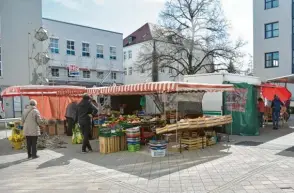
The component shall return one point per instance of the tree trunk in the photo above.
(154, 64)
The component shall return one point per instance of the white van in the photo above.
(212, 102)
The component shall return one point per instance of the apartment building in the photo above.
(273, 24)
(79, 55)
(82, 55)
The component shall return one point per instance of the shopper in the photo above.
(86, 110)
(31, 120)
(71, 117)
(276, 106)
(261, 109)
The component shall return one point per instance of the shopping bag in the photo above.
(77, 137)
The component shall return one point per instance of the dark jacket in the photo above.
(86, 108)
(71, 111)
(277, 104)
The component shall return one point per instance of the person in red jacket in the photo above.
(261, 108)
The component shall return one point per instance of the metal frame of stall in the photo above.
(160, 88)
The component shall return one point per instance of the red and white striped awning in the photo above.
(159, 87)
(37, 90)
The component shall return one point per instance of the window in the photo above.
(86, 74)
(86, 49)
(142, 70)
(100, 75)
(272, 30)
(269, 4)
(130, 70)
(272, 59)
(54, 45)
(130, 54)
(55, 72)
(125, 55)
(170, 70)
(113, 75)
(0, 63)
(112, 53)
(99, 51)
(70, 47)
(130, 39)
(125, 71)
(162, 70)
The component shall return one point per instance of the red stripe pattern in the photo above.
(158, 87)
(37, 90)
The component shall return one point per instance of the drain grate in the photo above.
(286, 188)
(248, 143)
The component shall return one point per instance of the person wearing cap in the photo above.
(276, 106)
(31, 120)
(86, 110)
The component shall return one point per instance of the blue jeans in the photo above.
(276, 117)
(260, 118)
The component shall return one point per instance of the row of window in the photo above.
(70, 49)
(85, 74)
(129, 71)
(128, 55)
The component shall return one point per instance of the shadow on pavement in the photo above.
(6, 148)
(140, 163)
(9, 164)
(55, 162)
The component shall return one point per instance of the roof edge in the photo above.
(69, 23)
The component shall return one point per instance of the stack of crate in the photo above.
(194, 142)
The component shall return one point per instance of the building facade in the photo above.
(273, 49)
(82, 55)
(135, 44)
(79, 55)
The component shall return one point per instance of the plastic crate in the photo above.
(158, 153)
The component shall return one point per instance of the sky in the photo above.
(126, 16)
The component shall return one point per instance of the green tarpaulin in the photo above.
(242, 104)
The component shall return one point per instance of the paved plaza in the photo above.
(245, 165)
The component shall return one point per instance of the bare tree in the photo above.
(192, 38)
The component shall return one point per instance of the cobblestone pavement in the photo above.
(246, 165)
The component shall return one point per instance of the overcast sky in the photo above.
(126, 16)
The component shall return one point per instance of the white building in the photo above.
(133, 45)
(273, 38)
(97, 54)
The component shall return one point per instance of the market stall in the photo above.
(52, 102)
(170, 93)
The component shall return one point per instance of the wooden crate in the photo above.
(112, 144)
(60, 128)
(52, 129)
(95, 132)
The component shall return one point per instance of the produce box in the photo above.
(52, 129)
(60, 128)
(112, 144)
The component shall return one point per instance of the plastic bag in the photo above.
(77, 137)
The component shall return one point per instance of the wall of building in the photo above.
(283, 43)
(79, 34)
(19, 20)
(135, 76)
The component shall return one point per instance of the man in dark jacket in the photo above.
(276, 106)
(71, 117)
(86, 110)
